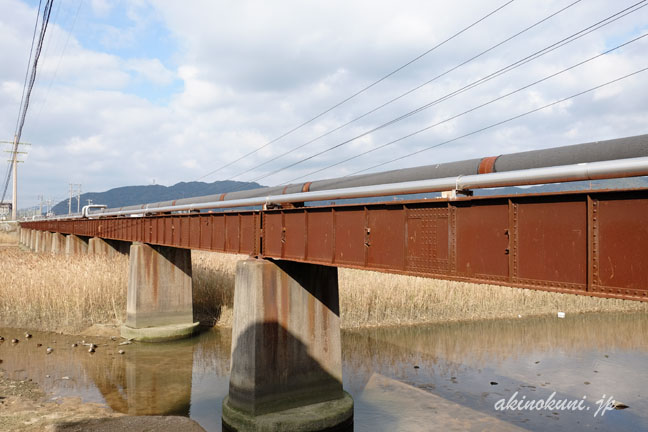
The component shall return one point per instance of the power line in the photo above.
(47, 10)
(359, 92)
(22, 97)
(50, 42)
(409, 91)
(493, 75)
(503, 121)
(472, 109)
(31, 50)
(58, 64)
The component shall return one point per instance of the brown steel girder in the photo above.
(586, 242)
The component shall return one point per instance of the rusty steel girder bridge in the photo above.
(590, 242)
(286, 362)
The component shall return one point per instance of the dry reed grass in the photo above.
(379, 299)
(8, 238)
(54, 292)
(213, 286)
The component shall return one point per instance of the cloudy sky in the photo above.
(136, 92)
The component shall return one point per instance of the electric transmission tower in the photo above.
(75, 191)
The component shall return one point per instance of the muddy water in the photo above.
(445, 377)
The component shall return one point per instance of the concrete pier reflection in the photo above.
(149, 379)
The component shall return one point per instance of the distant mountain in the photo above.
(131, 195)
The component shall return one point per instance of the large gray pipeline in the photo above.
(621, 148)
(575, 172)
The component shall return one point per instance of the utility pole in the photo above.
(79, 199)
(75, 191)
(40, 206)
(14, 198)
(14, 161)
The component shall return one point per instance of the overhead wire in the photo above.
(47, 10)
(514, 65)
(503, 121)
(402, 95)
(50, 41)
(22, 98)
(58, 65)
(359, 92)
(31, 51)
(478, 106)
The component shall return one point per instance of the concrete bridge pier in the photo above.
(35, 240)
(286, 372)
(159, 305)
(58, 243)
(46, 242)
(25, 236)
(75, 245)
(99, 246)
(43, 241)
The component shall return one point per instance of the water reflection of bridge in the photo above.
(152, 379)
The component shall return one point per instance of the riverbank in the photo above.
(25, 407)
(29, 376)
(71, 294)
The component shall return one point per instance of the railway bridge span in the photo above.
(286, 355)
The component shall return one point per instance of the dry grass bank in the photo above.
(213, 286)
(53, 292)
(378, 299)
(8, 238)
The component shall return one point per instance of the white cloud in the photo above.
(190, 163)
(253, 70)
(90, 145)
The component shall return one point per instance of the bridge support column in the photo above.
(43, 241)
(159, 306)
(286, 372)
(58, 243)
(75, 245)
(32, 240)
(46, 242)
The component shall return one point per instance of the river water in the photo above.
(443, 377)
